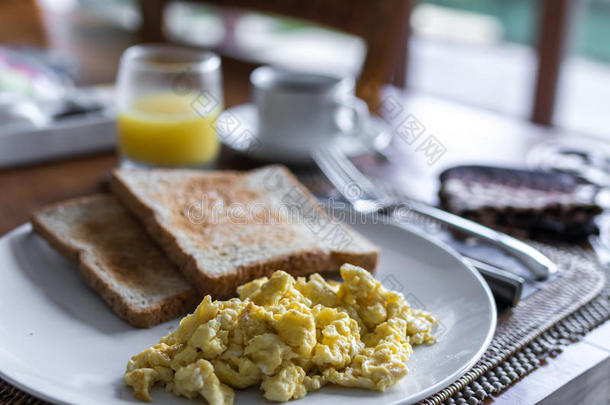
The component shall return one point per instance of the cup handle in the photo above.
(360, 114)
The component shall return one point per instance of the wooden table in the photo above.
(579, 374)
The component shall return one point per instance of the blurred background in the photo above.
(479, 52)
(542, 61)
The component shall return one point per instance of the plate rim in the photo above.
(438, 386)
(448, 380)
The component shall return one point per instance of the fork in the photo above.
(367, 198)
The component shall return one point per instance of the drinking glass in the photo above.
(168, 99)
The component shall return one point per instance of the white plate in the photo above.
(60, 342)
(238, 129)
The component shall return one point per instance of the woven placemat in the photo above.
(560, 313)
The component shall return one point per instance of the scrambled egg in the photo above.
(291, 336)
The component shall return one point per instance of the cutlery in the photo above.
(506, 286)
(365, 197)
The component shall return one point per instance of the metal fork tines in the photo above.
(360, 192)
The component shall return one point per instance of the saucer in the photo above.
(238, 129)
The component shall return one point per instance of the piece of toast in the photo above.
(224, 228)
(117, 259)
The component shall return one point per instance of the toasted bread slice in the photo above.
(117, 259)
(224, 228)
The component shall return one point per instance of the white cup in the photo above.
(300, 111)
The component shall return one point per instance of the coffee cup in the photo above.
(300, 111)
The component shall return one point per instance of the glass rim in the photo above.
(139, 56)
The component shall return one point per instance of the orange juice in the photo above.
(164, 129)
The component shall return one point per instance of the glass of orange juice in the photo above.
(168, 99)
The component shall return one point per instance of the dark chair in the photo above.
(380, 23)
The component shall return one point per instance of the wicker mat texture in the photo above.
(560, 313)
